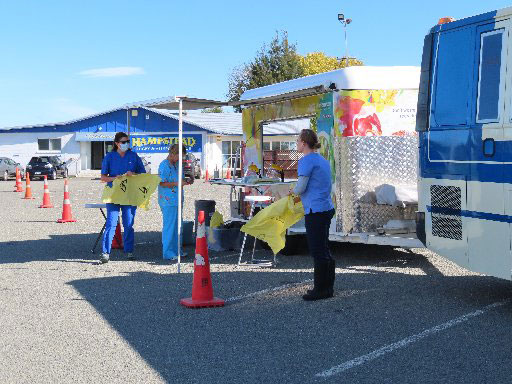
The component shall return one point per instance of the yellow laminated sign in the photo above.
(270, 224)
(217, 220)
(131, 190)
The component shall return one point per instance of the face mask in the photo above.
(124, 147)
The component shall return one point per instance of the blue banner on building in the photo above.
(161, 143)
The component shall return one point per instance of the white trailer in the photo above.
(365, 119)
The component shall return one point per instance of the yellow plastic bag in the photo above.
(217, 220)
(270, 224)
(131, 190)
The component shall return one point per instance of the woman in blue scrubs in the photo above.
(314, 188)
(168, 201)
(121, 161)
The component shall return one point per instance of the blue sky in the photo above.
(55, 53)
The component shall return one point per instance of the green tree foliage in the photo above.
(217, 109)
(273, 64)
(319, 62)
(279, 62)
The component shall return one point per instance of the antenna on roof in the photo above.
(345, 22)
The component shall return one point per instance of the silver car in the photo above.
(8, 168)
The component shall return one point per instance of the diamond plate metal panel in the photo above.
(363, 163)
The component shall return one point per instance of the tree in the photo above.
(280, 62)
(273, 64)
(217, 109)
(319, 62)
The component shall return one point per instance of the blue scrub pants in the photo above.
(128, 217)
(170, 232)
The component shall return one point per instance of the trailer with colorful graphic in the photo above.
(365, 119)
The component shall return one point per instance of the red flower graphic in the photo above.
(350, 108)
(367, 126)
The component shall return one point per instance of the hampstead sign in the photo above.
(147, 143)
(161, 143)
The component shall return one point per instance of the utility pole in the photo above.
(345, 22)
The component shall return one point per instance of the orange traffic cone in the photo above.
(228, 174)
(117, 241)
(46, 196)
(66, 206)
(202, 290)
(18, 185)
(28, 192)
(206, 176)
(17, 173)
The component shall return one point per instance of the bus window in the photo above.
(489, 71)
(452, 78)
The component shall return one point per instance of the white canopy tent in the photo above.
(180, 103)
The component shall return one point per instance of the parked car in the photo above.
(51, 166)
(147, 164)
(8, 168)
(191, 167)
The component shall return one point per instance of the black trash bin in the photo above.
(208, 206)
(223, 239)
(228, 237)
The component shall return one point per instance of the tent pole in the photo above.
(128, 121)
(180, 179)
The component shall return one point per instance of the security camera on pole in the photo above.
(345, 22)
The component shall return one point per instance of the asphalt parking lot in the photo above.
(398, 317)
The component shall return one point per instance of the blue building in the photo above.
(214, 138)
(85, 141)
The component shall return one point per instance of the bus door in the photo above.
(446, 165)
(489, 204)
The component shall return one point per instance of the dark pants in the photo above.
(317, 233)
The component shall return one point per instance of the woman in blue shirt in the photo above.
(121, 161)
(314, 188)
(168, 201)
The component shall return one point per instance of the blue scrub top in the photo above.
(168, 197)
(114, 165)
(317, 196)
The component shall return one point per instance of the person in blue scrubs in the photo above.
(121, 161)
(314, 188)
(168, 201)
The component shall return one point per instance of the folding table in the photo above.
(101, 206)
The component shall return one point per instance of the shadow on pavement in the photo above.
(74, 247)
(276, 337)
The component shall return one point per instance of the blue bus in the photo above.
(464, 123)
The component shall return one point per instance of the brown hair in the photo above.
(175, 150)
(309, 137)
(117, 138)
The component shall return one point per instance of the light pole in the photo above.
(345, 22)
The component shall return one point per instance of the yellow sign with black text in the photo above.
(133, 190)
(162, 143)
